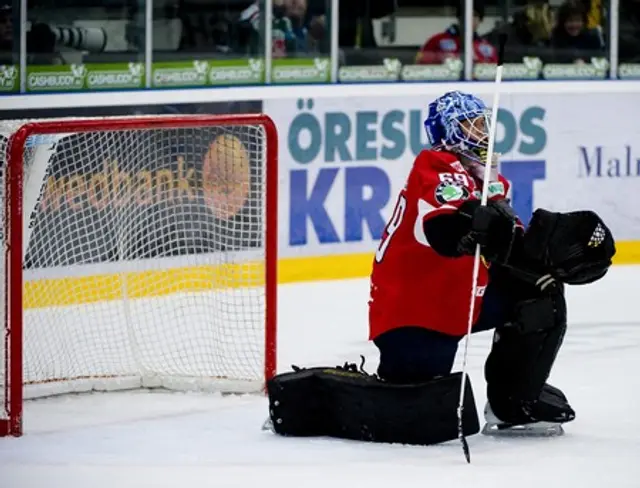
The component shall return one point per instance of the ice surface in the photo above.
(151, 439)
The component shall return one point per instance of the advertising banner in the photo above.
(130, 195)
(301, 70)
(199, 73)
(104, 76)
(9, 78)
(343, 161)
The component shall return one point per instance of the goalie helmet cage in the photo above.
(138, 252)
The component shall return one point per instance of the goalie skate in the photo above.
(497, 428)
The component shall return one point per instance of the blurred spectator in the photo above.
(529, 33)
(290, 36)
(6, 34)
(594, 13)
(294, 31)
(301, 39)
(250, 30)
(629, 45)
(317, 22)
(572, 40)
(449, 43)
(204, 30)
(222, 33)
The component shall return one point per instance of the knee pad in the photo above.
(348, 404)
(525, 349)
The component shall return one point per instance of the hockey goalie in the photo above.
(421, 286)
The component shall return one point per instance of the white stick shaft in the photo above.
(476, 259)
(492, 136)
(472, 306)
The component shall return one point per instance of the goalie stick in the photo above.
(476, 261)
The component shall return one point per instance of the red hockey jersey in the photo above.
(449, 44)
(411, 284)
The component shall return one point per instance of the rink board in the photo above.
(91, 288)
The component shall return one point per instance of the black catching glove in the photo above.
(577, 247)
(493, 226)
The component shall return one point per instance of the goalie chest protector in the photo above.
(348, 404)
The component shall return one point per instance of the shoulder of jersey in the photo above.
(440, 160)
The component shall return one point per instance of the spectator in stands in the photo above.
(316, 20)
(208, 32)
(289, 31)
(629, 45)
(249, 37)
(529, 32)
(296, 12)
(595, 12)
(572, 40)
(449, 43)
(221, 28)
(290, 28)
(284, 40)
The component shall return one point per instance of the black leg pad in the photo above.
(346, 404)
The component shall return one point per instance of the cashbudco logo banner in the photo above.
(85, 77)
(301, 70)
(9, 78)
(198, 73)
(251, 71)
(193, 73)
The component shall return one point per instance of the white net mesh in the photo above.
(145, 263)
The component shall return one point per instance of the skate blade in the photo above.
(268, 425)
(538, 429)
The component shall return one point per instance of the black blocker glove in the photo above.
(494, 227)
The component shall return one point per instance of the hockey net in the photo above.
(138, 252)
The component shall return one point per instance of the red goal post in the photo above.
(138, 252)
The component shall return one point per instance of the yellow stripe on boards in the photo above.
(627, 252)
(140, 284)
(320, 268)
(157, 283)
